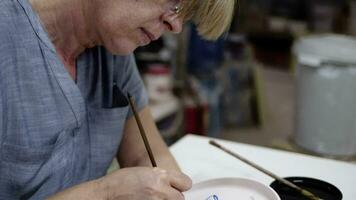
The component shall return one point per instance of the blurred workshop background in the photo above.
(283, 77)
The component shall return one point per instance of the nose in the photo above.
(173, 22)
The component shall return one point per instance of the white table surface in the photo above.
(201, 161)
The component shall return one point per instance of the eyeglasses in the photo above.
(177, 8)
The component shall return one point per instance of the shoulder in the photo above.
(121, 63)
(11, 14)
(127, 63)
(13, 18)
(16, 31)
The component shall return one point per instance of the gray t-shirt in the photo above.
(55, 133)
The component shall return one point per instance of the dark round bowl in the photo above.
(320, 188)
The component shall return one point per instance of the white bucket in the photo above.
(326, 94)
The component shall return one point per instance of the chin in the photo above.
(122, 52)
(122, 49)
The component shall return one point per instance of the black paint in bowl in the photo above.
(320, 188)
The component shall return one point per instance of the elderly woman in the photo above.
(65, 66)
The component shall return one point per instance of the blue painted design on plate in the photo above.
(213, 197)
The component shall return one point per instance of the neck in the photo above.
(67, 23)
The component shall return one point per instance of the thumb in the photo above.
(180, 181)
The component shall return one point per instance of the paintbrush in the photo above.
(142, 131)
(304, 192)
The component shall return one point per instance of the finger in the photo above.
(180, 181)
(174, 194)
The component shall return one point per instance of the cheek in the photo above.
(118, 40)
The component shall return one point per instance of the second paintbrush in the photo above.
(304, 192)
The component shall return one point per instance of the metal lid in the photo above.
(328, 49)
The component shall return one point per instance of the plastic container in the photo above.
(326, 94)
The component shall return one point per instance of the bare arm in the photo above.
(132, 151)
(92, 190)
(136, 183)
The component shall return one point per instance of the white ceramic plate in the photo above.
(231, 189)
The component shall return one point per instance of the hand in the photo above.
(146, 183)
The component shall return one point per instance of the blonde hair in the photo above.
(212, 17)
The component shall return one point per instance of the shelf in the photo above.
(164, 109)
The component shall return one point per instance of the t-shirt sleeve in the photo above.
(130, 81)
(1, 118)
